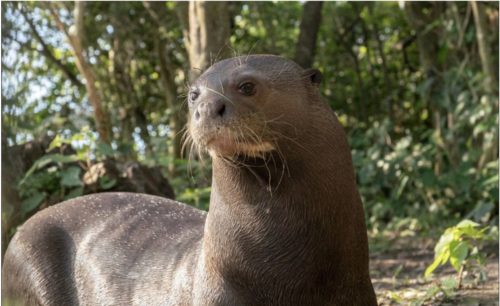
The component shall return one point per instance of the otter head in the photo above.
(246, 106)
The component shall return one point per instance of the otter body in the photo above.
(285, 227)
(105, 249)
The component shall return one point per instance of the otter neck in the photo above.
(250, 231)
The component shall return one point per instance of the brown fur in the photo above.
(286, 223)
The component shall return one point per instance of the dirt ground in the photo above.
(397, 272)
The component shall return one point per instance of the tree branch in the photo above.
(75, 40)
(60, 25)
(47, 52)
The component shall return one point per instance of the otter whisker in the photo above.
(185, 143)
(251, 49)
(216, 59)
(235, 53)
(274, 119)
(255, 138)
(281, 176)
(221, 86)
(190, 160)
(269, 180)
(220, 94)
(243, 139)
(234, 163)
(184, 102)
(282, 157)
(253, 134)
(285, 65)
(183, 131)
(275, 135)
(249, 168)
(281, 135)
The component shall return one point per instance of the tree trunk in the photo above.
(489, 67)
(309, 28)
(490, 148)
(206, 31)
(177, 118)
(209, 33)
(75, 41)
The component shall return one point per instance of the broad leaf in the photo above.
(32, 202)
(458, 253)
(70, 177)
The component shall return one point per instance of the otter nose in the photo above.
(211, 110)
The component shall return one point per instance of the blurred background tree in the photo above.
(93, 98)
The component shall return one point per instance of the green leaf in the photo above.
(444, 241)
(479, 128)
(64, 159)
(458, 253)
(466, 223)
(55, 143)
(470, 229)
(428, 178)
(432, 267)
(74, 193)
(47, 159)
(482, 210)
(441, 251)
(470, 232)
(32, 202)
(70, 177)
(106, 183)
(105, 149)
(440, 258)
(404, 181)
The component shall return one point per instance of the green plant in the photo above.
(57, 175)
(192, 184)
(459, 245)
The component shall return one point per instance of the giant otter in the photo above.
(285, 227)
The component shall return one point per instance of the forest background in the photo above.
(93, 99)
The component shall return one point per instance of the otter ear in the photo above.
(314, 75)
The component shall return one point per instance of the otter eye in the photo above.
(247, 88)
(193, 95)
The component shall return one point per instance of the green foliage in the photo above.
(29, 204)
(198, 196)
(459, 245)
(51, 177)
(194, 190)
(56, 176)
(434, 175)
(106, 183)
(257, 22)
